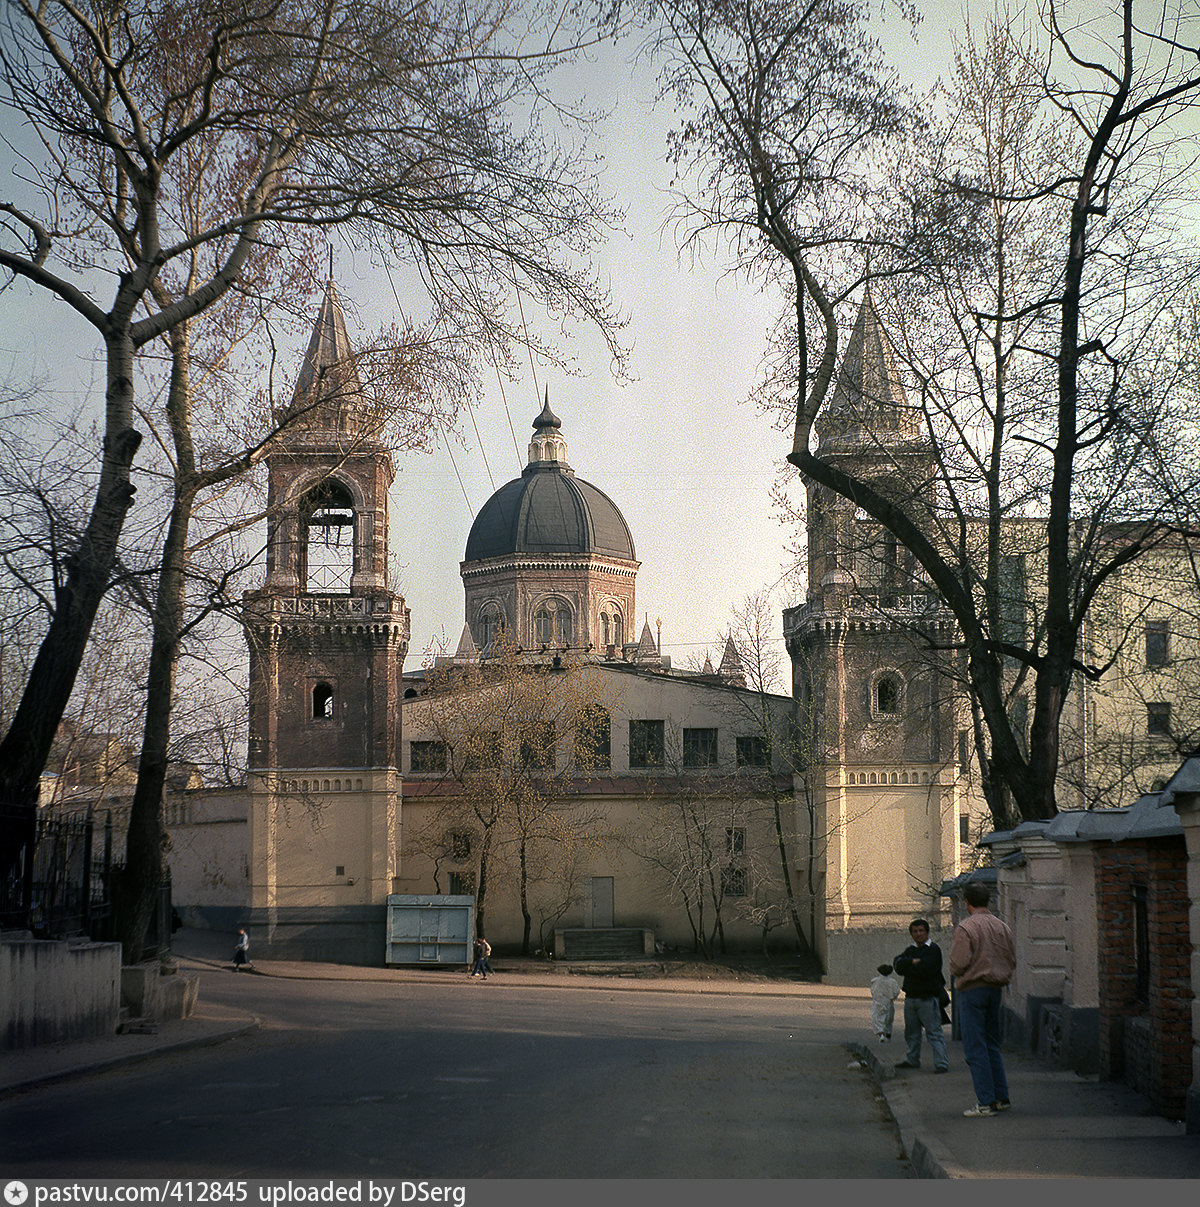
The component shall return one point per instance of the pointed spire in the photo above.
(328, 346)
(731, 669)
(467, 651)
(707, 668)
(547, 418)
(328, 388)
(868, 394)
(647, 651)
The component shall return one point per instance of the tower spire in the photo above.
(869, 400)
(329, 395)
(547, 449)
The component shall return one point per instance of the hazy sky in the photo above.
(686, 459)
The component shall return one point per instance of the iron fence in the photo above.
(65, 884)
(62, 885)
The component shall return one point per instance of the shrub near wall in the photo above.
(1145, 1037)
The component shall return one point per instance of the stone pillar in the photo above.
(1080, 1040)
(1042, 936)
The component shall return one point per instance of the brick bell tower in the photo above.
(327, 643)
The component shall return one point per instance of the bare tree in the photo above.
(1057, 390)
(313, 113)
(514, 738)
(777, 749)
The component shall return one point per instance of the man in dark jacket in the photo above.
(921, 967)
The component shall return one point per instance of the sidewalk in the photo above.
(28, 1068)
(1061, 1125)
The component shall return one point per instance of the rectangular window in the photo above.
(462, 884)
(735, 840)
(1013, 590)
(483, 750)
(733, 882)
(1158, 642)
(753, 751)
(647, 746)
(460, 844)
(427, 756)
(964, 828)
(699, 747)
(593, 741)
(964, 757)
(537, 746)
(1158, 720)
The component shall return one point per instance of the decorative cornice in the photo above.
(858, 615)
(382, 615)
(542, 561)
(890, 775)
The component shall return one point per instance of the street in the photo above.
(473, 1080)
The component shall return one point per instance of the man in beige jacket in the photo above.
(982, 959)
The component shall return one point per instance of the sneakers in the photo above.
(907, 1064)
(1002, 1104)
(943, 1069)
(978, 1111)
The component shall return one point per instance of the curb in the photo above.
(132, 1057)
(563, 977)
(930, 1158)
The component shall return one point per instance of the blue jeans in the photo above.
(979, 1020)
(924, 1014)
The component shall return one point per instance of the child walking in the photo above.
(885, 989)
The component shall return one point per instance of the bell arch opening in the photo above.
(327, 542)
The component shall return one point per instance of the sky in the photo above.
(688, 461)
(686, 458)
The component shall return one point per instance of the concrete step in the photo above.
(597, 944)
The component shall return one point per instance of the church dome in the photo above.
(548, 510)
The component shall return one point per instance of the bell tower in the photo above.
(327, 642)
(872, 673)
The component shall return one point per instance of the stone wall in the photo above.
(53, 991)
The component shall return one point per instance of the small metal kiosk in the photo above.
(428, 928)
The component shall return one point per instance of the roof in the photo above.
(1185, 781)
(329, 400)
(868, 393)
(329, 344)
(548, 510)
(1150, 816)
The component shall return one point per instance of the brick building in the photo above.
(1144, 967)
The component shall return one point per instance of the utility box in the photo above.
(427, 928)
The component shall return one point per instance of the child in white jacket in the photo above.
(885, 989)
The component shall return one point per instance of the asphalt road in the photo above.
(476, 1080)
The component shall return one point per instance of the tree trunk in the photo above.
(147, 836)
(88, 573)
(528, 921)
(785, 869)
(481, 886)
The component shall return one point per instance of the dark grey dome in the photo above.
(549, 510)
